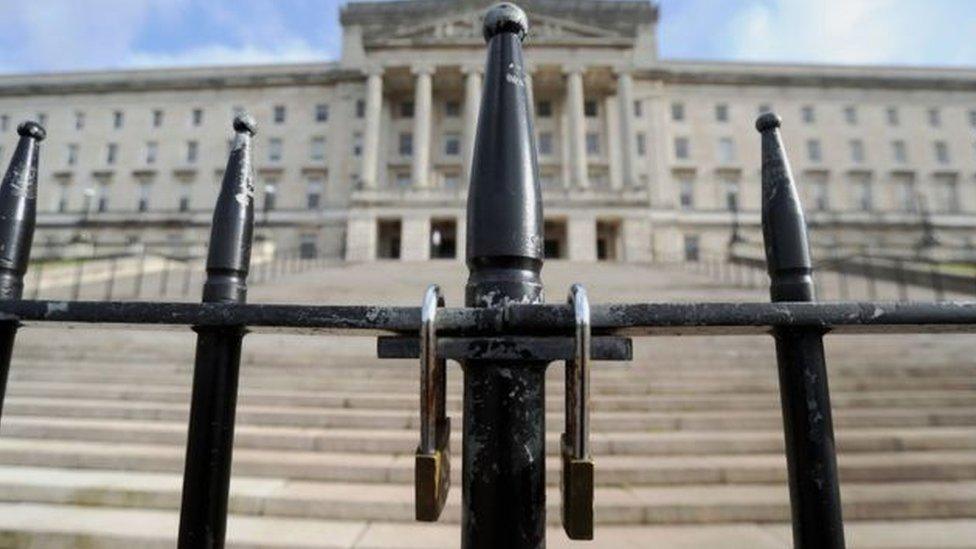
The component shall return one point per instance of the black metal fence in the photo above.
(504, 337)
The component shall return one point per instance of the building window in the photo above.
(732, 196)
(360, 108)
(543, 109)
(192, 152)
(906, 195)
(145, 192)
(641, 144)
(452, 144)
(941, 152)
(111, 153)
(72, 156)
(357, 144)
(638, 109)
(857, 151)
(274, 149)
(152, 151)
(814, 151)
(899, 151)
(686, 188)
(64, 190)
(726, 150)
(592, 143)
(270, 195)
(101, 204)
(850, 115)
(5, 122)
(692, 250)
(677, 112)
(590, 109)
(316, 149)
(808, 114)
(405, 147)
(321, 113)
(118, 120)
(947, 194)
(545, 144)
(682, 148)
(313, 194)
(196, 118)
(452, 109)
(891, 114)
(79, 120)
(935, 117)
(186, 191)
(764, 108)
(403, 180)
(863, 196)
(157, 118)
(406, 109)
(451, 181)
(820, 194)
(972, 118)
(279, 114)
(721, 112)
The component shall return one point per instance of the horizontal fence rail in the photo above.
(641, 319)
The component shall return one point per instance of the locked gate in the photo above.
(504, 337)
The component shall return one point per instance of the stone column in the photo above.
(371, 138)
(577, 127)
(625, 93)
(472, 106)
(415, 238)
(581, 233)
(423, 100)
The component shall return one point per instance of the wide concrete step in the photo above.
(297, 416)
(697, 504)
(57, 526)
(379, 468)
(403, 400)
(404, 441)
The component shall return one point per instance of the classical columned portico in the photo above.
(576, 119)
(423, 103)
(472, 105)
(371, 141)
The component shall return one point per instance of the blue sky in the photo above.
(56, 35)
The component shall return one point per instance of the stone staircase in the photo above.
(687, 439)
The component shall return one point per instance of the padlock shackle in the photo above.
(578, 377)
(432, 397)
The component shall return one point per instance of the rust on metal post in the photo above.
(503, 462)
(206, 478)
(18, 212)
(810, 449)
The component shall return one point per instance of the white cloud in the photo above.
(63, 34)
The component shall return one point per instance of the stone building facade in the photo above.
(367, 158)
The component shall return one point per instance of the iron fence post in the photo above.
(810, 449)
(503, 462)
(206, 479)
(18, 213)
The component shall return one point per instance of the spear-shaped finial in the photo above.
(229, 254)
(18, 210)
(504, 200)
(784, 229)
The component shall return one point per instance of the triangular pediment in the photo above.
(469, 25)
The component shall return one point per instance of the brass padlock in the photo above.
(576, 482)
(432, 464)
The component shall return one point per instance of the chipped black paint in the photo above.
(210, 442)
(805, 398)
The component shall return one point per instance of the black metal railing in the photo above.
(504, 337)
